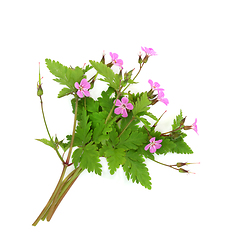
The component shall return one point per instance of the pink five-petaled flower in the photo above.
(161, 98)
(194, 126)
(155, 86)
(149, 51)
(83, 88)
(115, 60)
(153, 145)
(122, 106)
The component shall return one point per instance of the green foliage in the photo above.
(177, 120)
(83, 132)
(181, 147)
(47, 142)
(88, 157)
(64, 92)
(136, 169)
(110, 77)
(141, 104)
(65, 76)
(115, 158)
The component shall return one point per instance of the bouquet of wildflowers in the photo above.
(114, 126)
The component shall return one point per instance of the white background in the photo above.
(198, 46)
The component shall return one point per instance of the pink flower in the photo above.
(161, 98)
(154, 145)
(155, 86)
(194, 126)
(149, 51)
(83, 88)
(122, 106)
(115, 60)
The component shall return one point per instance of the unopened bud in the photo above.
(39, 90)
(180, 164)
(140, 58)
(103, 58)
(181, 170)
(182, 121)
(145, 58)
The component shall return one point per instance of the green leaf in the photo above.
(88, 158)
(83, 132)
(146, 123)
(92, 106)
(115, 158)
(64, 92)
(133, 140)
(181, 147)
(167, 146)
(105, 101)
(177, 120)
(149, 114)
(65, 76)
(110, 77)
(141, 104)
(136, 169)
(47, 142)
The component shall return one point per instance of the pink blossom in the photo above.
(155, 86)
(83, 88)
(122, 106)
(115, 60)
(149, 51)
(194, 126)
(161, 98)
(154, 145)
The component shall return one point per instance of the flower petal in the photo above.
(152, 139)
(150, 82)
(124, 112)
(118, 103)
(129, 106)
(85, 84)
(86, 93)
(124, 100)
(118, 110)
(152, 149)
(80, 94)
(76, 85)
(147, 147)
(158, 141)
(157, 145)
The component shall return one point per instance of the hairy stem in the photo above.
(73, 132)
(126, 127)
(44, 119)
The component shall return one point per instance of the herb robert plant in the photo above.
(109, 126)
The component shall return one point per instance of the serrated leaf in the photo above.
(92, 105)
(105, 101)
(83, 132)
(146, 123)
(47, 142)
(115, 158)
(141, 104)
(167, 146)
(65, 76)
(177, 120)
(110, 76)
(88, 158)
(136, 169)
(133, 140)
(149, 114)
(64, 92)
(181, 147)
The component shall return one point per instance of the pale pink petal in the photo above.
(152, 139)
(118, 110)
(150, 82)
(157, 145)
(158, 141)
(76, 85)
(165, 101)
(129, 106)
(114, 56)
(118, 102)
(147, 147)
(124, 112)
(156, 85)
(152, 149)
(86, 93)
(160, 95)
(85, 84)
(119, 62)
(124, 100)
(80, 94)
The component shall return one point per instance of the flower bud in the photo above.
(145, 58)
(103, 58)
(39, 90)
(182, 121)
(140, 58)
(180, 164)
(181, 170)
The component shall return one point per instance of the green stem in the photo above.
(141, 65)
(126, 127)
(155, 124)
(44, 119)
(164, 134)
(165, 164)
(51, 198)
(73, 133)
